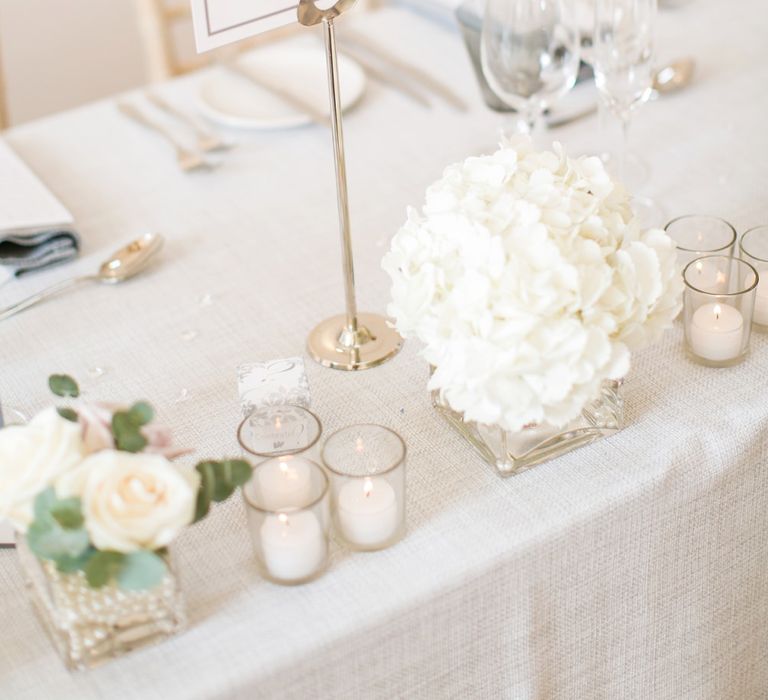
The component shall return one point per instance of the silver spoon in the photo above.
(120, 266)
(667, 79)
(673, 77)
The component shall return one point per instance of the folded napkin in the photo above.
(36, 230)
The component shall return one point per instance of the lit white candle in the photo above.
(293, 545)
(717, 332)
(368, 511)
(285, 482)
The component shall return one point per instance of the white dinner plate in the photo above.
(231, 100)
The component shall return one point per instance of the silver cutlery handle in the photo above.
(199, 128)
(140, 117)
(44, 294)
(386, 78)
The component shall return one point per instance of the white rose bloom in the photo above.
(132, 501)
(528, 280)
(32, 456)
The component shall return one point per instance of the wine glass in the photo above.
(529, 50)
(622, 58)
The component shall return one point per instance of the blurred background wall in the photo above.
(60, 53)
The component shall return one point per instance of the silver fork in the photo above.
(206, 139)
(187, 159)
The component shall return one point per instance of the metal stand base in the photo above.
(333, 344)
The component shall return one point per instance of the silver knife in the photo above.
(416, 73)
(387, 78)
(287, 96)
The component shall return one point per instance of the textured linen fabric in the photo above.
(632, 568)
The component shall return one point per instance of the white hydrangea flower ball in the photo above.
(528, 280)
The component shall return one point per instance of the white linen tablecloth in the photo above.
(632, 568)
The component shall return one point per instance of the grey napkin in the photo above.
(25, 252)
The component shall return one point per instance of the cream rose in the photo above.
(32, 456)
(132, 501)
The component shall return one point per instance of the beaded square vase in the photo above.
(91, 625)
(513, 452)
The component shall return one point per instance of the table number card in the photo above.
(272, 383)
(221, 22)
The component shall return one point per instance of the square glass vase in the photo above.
(514, 452)
(89, 626)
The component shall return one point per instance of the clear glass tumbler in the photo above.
(289, 526)
(718, 304)
(754, 249)
(287, 497)
(696, 235)
(367, 466)
(272, 431)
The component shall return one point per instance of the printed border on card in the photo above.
(276, 14)
(244, 23)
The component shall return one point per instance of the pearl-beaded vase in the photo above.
(91, 625)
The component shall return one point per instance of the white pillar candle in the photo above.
(760, 314)
(285, 482)
(368, 511)
(293, 545)
(717, 332)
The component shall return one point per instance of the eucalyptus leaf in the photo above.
(50, 541)
(102, 567)
(230, 474)
(222, 487)
(141, 413)
(44, 501)
(68, 413)
(68, 565)
(63, 385)
(68, 513)
(207, 471)
(140, 570)
(128, 438)
(238, 471)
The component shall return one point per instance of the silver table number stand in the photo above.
(353, 340)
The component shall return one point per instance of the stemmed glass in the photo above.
(622, 57)
(529, 52)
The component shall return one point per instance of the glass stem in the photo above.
(533, 123)
(624, 148)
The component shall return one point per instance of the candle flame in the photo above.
(717, 311)
(359, 446)
(278, 423)
(283, 466)
(699, 267)
(283, 518)
(720, 277)
(367, 487)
